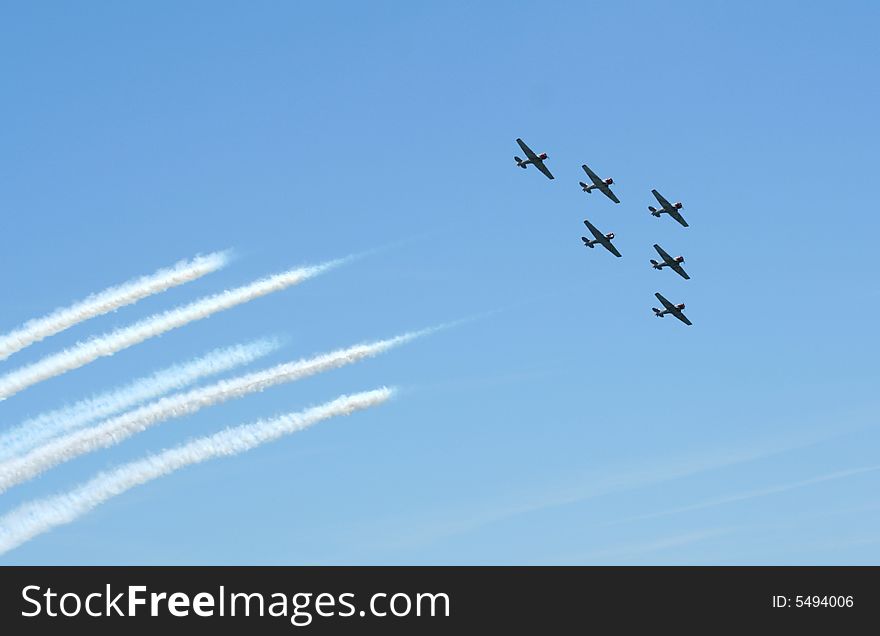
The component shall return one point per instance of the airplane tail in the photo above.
(587, 242)
(657, 312)
(519, 162)
(654, 263)
(652, 209)
(585, 187)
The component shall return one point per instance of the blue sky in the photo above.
(565, 424)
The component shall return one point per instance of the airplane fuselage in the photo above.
(662, 312)
(522, 163)
(660, 265)
(592, 242)
(675, 207)
(597, 186)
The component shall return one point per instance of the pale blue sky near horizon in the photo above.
(563, 424)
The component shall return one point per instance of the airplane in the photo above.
(668, 261)
(672, 209)
(603, 239)
(535, 160)
(600, 184)
(669, 308)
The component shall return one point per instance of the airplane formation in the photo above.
(605, 240)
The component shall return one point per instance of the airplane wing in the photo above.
(540, 166)
(666, 257)
(679, 270)
(680, 315)
(608, 193)
(666, 205)
(593, 176)
(596, 233)
(677, 216)
(608, 246)
(666, 303)
(531, 155)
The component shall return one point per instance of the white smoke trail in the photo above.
(36, 517)
(116, 429)
(37, 430)
(109, 343)
(109, 300)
